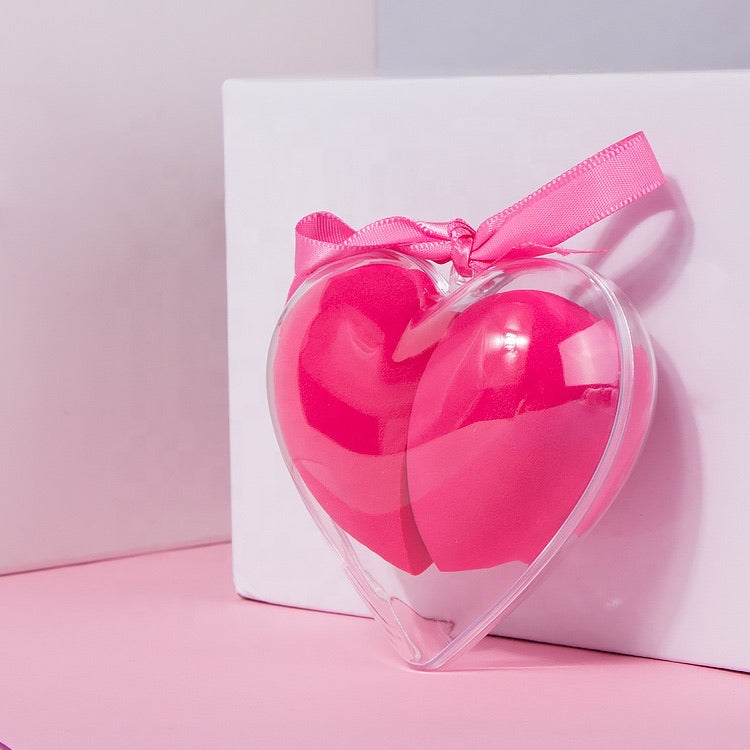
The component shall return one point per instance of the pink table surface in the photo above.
(157, 651)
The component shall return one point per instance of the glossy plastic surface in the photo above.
(449, 442)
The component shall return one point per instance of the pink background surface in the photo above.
(158, 652)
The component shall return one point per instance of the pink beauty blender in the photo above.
(343, 402)
(510, 419)
(459, 429)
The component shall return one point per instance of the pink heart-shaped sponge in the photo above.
(343, 402)
(510, 419)
(462, 436)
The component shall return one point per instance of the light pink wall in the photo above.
(113, 399)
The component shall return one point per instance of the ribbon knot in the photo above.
(536, 225)
(462, 243)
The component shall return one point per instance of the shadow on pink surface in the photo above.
(509, 653)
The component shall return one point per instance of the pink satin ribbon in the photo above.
(595, 188)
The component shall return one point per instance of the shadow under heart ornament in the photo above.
(451, 436)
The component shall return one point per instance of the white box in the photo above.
(663, 574)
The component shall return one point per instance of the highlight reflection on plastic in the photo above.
(430, 435)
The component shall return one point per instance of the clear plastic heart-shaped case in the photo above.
(451, 439)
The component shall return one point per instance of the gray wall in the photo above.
(544, 36)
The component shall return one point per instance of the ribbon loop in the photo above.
(536, 225)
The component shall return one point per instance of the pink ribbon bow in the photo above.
(589, 191)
